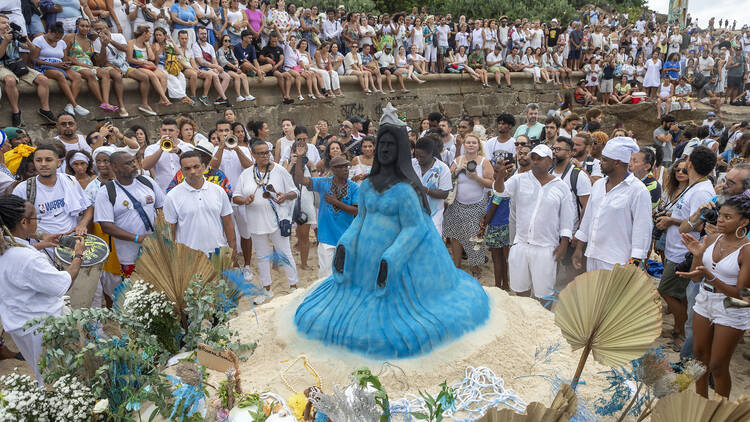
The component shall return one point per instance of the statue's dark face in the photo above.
(387, 150)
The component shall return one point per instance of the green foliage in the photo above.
(368, 6)
(536, 9)
(206, 322)
(365, 378)
(436, 406)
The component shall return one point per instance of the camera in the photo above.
(656, 232)
(685, 265)
(15, 30)
(471, 166)
(709, 215)
(502, 156)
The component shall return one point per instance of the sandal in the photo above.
(187, 100)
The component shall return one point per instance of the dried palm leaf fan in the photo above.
(171, 266)
(616, 315)
(562, 409)
(688, 406)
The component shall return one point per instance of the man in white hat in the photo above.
(543, 229)
(616, 226)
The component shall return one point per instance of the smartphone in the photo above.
(67, 241)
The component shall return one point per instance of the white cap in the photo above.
(554, 20)
(620, 148)
(542, 151)
(205, 147)
(106, 149)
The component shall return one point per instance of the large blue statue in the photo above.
(394, 291)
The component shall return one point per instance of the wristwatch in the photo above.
(78, 256)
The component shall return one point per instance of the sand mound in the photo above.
(507, 344)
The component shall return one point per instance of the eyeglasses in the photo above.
(556, 149)
(227, 40)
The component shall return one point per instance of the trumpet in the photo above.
(166, 144)
(230, 142)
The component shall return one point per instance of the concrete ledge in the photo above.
(266, 93)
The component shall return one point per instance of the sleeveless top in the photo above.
(728, 268)
(469, 191)
(664, 91)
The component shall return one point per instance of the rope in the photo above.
(479, 391)
(306, 364)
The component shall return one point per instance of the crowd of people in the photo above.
(169, 46)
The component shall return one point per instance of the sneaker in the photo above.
(301, 98)
(220, 101)
(240, 98)
(249, 98)
(195, 100)
(247, 273)
(16, 119)
(69, 109)
(261, 299)
(81, 111)
(147, 110)
(203, 100)
(47, 115)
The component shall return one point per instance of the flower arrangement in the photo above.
(155, 312)
(23, 400)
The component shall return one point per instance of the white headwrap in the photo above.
(105, 149)
(620, 148)
(80, 157)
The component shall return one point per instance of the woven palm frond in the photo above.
(562, 409)
(616, 315)
(171, 266)
(688, 406)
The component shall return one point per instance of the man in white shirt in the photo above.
(61, 204)
(435, 176)
(331, 27)
(616, 226)
(495, 65)
(700, 190)
(128, 214)
(543, 228)
(164, 164)
(198, 211)
(448, 150)
(263, 193)
(205, 57)
(67, 133)
(706, 63)
(503, 142)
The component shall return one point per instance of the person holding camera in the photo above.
(32, 287)
(338, 206)
(473, 178)
(544, 223)
(13, 70)
(616, 225)
(304, 214)
(720, 264)
(262, 193)
(435, 176)
(673, 288)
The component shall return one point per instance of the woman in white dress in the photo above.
(652, 79)
(417, 37)
(176, 84)
(322, 59)
(362, 164)
(120, 7)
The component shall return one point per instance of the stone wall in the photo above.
(452, 94)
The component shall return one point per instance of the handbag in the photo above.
(17, 66)
(172, 64)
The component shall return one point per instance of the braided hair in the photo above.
(741, 203)
(12, 209)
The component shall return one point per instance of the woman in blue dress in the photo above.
(394, 291)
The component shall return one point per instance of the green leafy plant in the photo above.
(436, 406)
(365, 378)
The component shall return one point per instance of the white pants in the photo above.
(107, 284)
(262, 245)
(430, 53)
(537, 72)
(593, 264)
(330, 79)
(29, 344)
(532, 266)
(325, 259)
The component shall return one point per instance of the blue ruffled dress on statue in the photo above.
(425, 301)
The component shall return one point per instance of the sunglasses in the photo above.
(683, 171)
(520, 144)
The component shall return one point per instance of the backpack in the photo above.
(112, 193)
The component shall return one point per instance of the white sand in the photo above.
(506, 345)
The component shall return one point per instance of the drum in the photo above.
(638, 97)
(95, 254)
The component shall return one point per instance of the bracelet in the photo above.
(136, 239)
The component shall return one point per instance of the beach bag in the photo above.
(172, 64)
